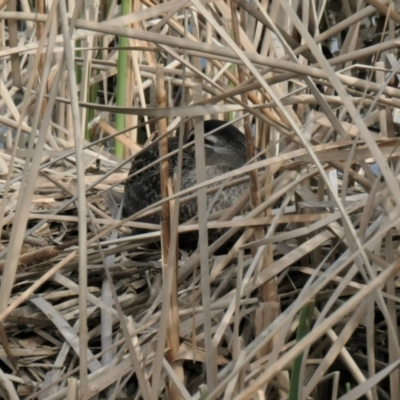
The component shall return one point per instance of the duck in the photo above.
(225, 151)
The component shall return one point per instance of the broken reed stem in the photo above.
(173, 320)
(268, 292)
(40, 6)
(210, 349)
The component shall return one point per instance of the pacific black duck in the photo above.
(225, 151)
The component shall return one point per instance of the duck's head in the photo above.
(226, 146)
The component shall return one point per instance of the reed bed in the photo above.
(303, 305)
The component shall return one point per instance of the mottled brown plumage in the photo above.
(224, 151)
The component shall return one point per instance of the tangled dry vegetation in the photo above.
(304, 305)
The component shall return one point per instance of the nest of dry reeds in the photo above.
(303, 305)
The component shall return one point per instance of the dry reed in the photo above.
(88, 310)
